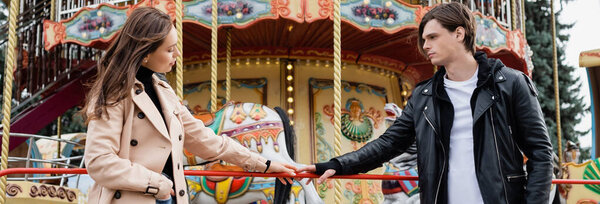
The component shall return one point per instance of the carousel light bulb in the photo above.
(290, 111)
(99, 13)
(365, 2)
(388, 4)
(289, 67)
(277, 60)
(237, 62)
(290, 88)
(367, 19)
(290, 100)
(247, 61)
(291, 122)
(268, 60)
(290, 77)
(404, 93)
(307, 62)
(390, 21)
(239, 15)
(317, 63)
(257, 61)
(327, 63)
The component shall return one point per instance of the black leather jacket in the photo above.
(507, 121)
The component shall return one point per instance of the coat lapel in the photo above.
(167, 105)
(145, 104)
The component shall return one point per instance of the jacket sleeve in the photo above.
(105, 166)
(203, 142)
(533, 140)
(396, 139)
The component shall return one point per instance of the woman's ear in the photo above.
(145, 61)
(459, 33)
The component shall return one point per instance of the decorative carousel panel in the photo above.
(388, 15)
(197, 95)
(86, 26)
(30, 192)
(239, 13)
(96, 25)
(587, 193)
(362, 121)
(490, 34)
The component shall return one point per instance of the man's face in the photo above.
(441, 45)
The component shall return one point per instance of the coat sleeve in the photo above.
(533, 140)
(396, 139)
(103, 164)
(203, 142)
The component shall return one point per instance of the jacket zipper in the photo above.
(514, 177)
(444, 164)
(498, 152)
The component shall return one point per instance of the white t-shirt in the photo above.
(462, 181)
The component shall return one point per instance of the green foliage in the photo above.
(572, 108)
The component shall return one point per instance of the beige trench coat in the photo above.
(126, 153)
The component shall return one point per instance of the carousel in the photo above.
(297, 81)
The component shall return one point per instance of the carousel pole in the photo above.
(337, 91)
(52, 9)
(213, 59)
(556, 93)
(7, 92)
(228, 68)
(179, 59)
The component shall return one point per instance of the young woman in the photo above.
(137, 127)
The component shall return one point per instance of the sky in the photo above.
(584, 36)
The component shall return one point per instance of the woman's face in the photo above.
(163, 58)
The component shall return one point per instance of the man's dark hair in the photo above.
(451, 16)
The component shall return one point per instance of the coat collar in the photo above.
(143, 101)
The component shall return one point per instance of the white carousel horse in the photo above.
(264, 131)
(400, 191)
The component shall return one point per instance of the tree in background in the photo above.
(539, 37)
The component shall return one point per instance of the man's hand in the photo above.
(277, 167)
(312, 169)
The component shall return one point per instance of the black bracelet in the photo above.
(268, 163)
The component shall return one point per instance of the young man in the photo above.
(471, 121)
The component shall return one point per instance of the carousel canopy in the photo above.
(378, 32)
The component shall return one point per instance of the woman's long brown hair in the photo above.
(143, 32)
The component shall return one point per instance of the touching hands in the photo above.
(277, 167)
(313, 169)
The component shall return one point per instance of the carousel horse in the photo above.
(262, 130)
(400, 191)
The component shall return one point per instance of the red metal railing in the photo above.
(251, 174)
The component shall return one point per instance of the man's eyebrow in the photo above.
(430, 34)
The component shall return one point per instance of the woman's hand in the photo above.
(312, 169)
(277, 167)
(168, 196)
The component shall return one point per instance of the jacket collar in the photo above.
(489, 73)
